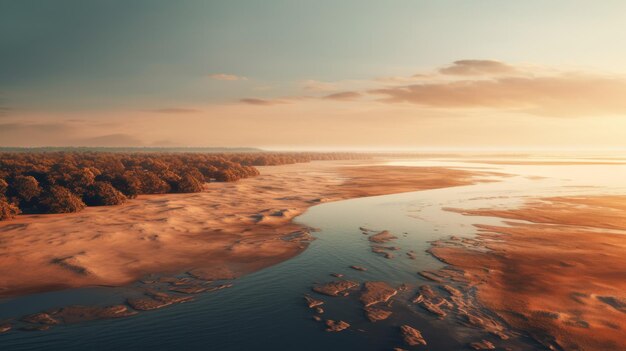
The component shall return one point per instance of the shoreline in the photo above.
(226, 231)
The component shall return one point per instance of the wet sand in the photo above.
(547, 163)
(228, 230)
(561, 278)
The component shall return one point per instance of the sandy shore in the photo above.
(547, 163)
(228, 230)
(561, 278)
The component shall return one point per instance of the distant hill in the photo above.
(216, 150)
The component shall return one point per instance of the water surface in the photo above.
(265, 310)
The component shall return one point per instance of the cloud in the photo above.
(560, 95)
(176, 110)
(261, 102)
(470, 86)
(226, 77)
(4, 111)
(345, 95)
(318, 86)
(477, 67)
(402, 80)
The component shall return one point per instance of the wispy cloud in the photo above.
(318, 86)
(4, 111)
(403, 80)
(477, 67)
(344, 95)
(262, 102)
(226, 77)
(466, 85)
(561, 95)
(176, 110)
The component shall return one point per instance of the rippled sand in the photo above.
(561, 275)
(234, 227)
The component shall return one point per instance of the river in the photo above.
(265, 310)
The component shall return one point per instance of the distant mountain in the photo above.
(215, 150)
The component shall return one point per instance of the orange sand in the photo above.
(562, 279)
(546, 163)
(231, 228)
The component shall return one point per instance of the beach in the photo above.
(226, 231)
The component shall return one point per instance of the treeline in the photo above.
(64, 182)
(205, 150)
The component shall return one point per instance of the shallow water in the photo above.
(265, 310)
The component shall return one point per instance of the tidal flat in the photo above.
(417, 254)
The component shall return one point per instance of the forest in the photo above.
(65, 182)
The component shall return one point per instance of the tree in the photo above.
(128, 183)
(3, 187)
(152, 184)
(188, 184)
(7, 210)
(80, 180)
(103, 194)
(59, 181)
(225, 176)
(45, 179)
(25, 188)
(60, 200)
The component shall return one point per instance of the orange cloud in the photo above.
(403, 80)
(227, 77)
(176, 110)
(564, 95)
(261, 102)
(488, 84)
(477, 67)
(345, 95)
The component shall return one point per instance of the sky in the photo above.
(295, 74)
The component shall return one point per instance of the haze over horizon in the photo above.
(296, 75)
